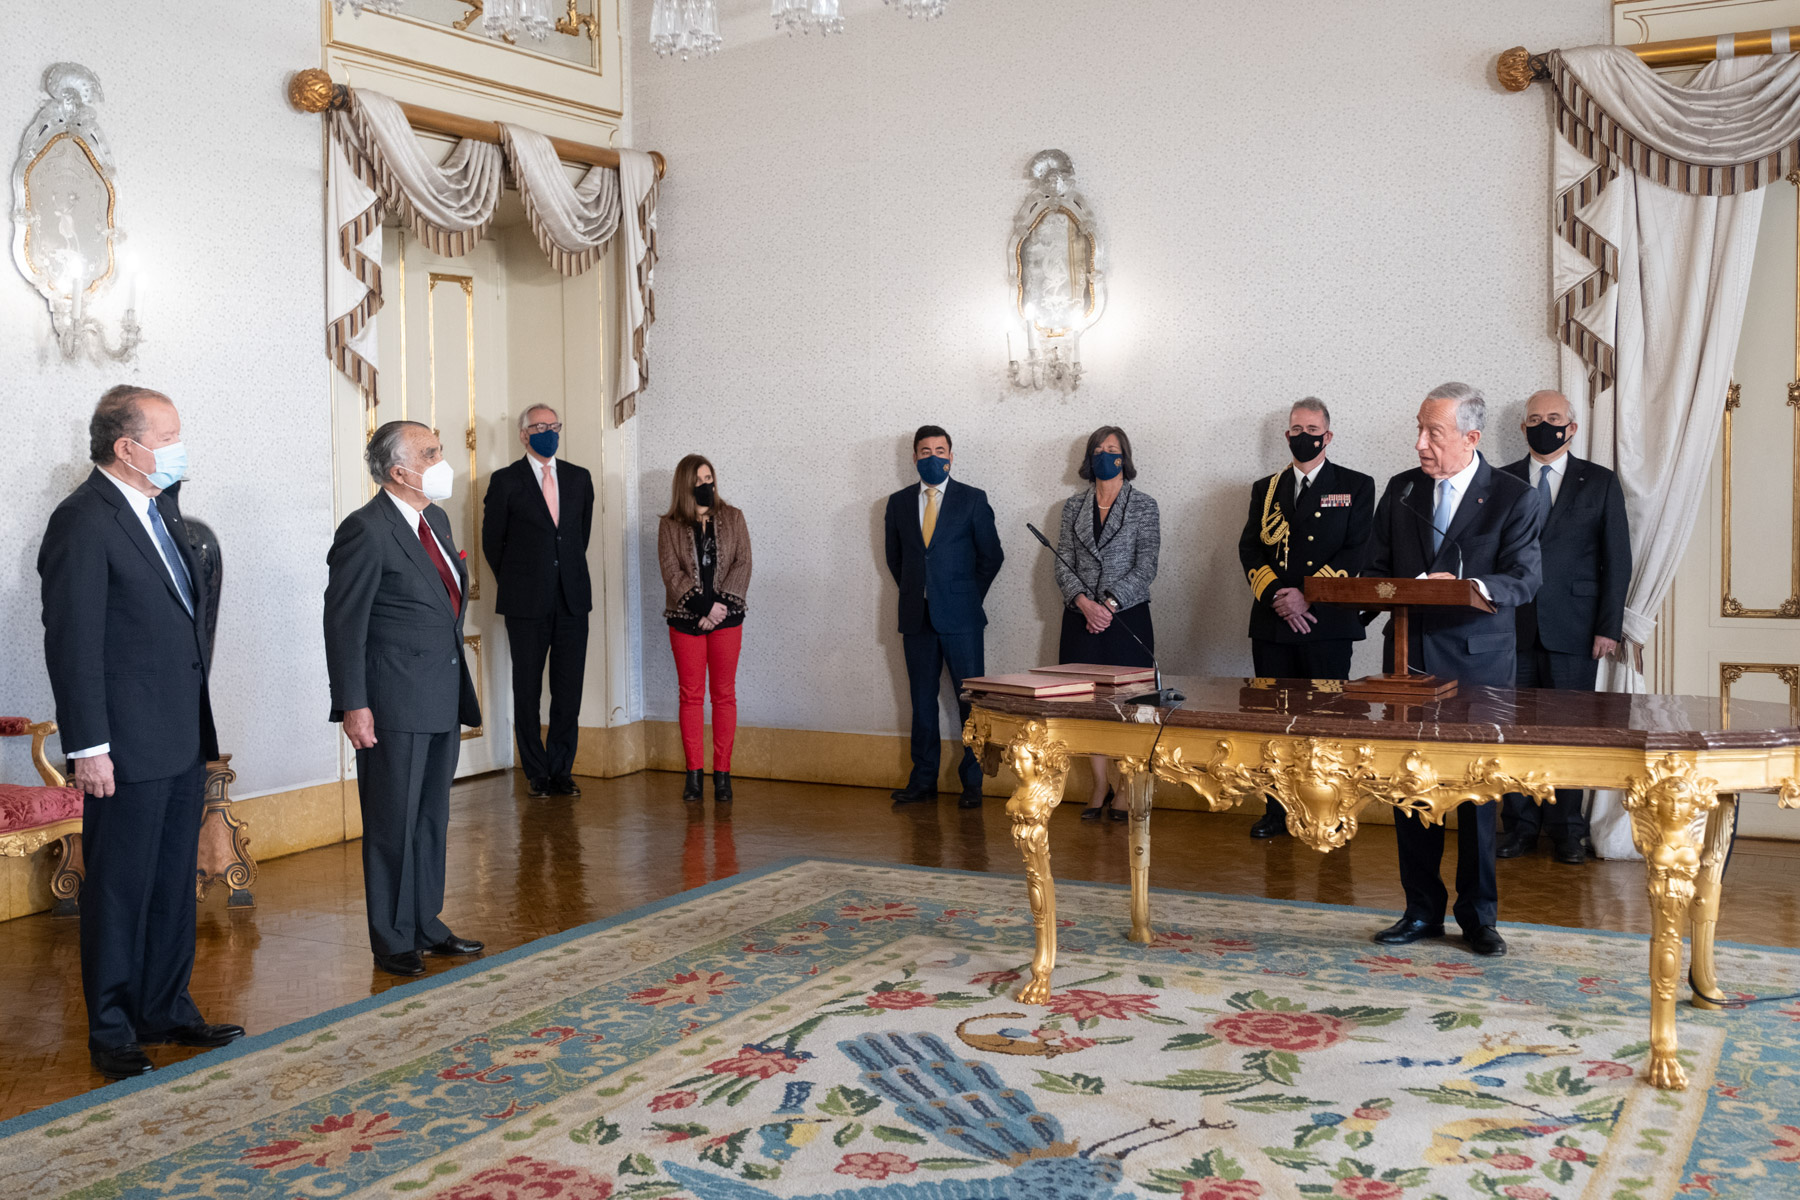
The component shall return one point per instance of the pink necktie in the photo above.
(550, 493)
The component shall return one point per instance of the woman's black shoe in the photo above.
(1094, 812)
(722, 787)
(691, 789)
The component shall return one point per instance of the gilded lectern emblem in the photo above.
(1385, 590)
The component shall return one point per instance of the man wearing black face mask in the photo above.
(535, 523)
(1579, 612)
(1311, 518)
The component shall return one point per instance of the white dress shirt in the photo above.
(140, 505)
(412, 517)
(923, 498)
(1459, 487)
(1306, 477)
(1556, 474)
(541, 469)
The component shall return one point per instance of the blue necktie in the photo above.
(1544, 488)
(177, 564)
(1440, 516)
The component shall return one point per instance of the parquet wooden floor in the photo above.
(520, 869)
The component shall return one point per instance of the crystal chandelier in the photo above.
(510, 18)
(685, 27)
(359, 7)
(804, 16)
(920, 8)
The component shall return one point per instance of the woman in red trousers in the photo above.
(703, 547)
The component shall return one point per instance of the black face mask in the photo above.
(1545, 438)
(703, 495)
(1305, 446)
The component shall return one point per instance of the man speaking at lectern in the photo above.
(1456, 517)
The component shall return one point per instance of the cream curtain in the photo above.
(377, 165)
(1656, 205)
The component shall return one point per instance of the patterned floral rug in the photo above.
(837, 1030)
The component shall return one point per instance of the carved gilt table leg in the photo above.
(1703, 977)
(1140, 786)
(1042, 766)
(1668, 811)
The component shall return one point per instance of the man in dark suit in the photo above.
(400, 685)
(1456, 517)
(1312, 518)
(943, 551)
(1578, 616)
(535, 524)
(125, 645)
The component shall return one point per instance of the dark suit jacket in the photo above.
(128, 665)
(393, 643)
(955, 572)
(1323, 539)
(1496, 525)
(1587, 561)
(533, 558)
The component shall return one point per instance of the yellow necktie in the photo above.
(928, 526)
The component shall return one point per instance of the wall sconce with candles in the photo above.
(1058, 288)
(65, 230)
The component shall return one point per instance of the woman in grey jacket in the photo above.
(1111, 534)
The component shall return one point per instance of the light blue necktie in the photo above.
(1440, 516)
(1544, 488)
(177, 565)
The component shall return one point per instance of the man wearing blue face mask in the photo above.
(126, 648)
(944, 552)
(535, 524)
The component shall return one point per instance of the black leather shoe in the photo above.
(538, 788)
(1485, 941)
(1572, 852)
(1269, 825)
(401, 964)
(121, 1062)
(454, 945)
(690, 789)
(1517, 844)
(1406, 931)
(200, 1034)
(912, 795)
(562, 785)
(969, 799)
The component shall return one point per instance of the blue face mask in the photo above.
(933, 470)
(171, 464)
(544, 443)
(1108, 466)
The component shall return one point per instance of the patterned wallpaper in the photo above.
(1295, 197)
(219, 193)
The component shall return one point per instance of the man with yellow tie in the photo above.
(944, 553)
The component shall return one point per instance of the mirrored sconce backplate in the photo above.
(65, 213)
(1058, 289)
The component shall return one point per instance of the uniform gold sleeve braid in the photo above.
(1260, 579)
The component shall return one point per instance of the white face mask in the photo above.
(436, 480)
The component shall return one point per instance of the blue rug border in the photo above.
(250, 1044)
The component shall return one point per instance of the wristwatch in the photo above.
(1111, 603)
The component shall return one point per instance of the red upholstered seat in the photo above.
(32, 807)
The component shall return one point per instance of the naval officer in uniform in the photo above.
(1310, 518)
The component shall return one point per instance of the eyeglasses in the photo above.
(1536, 420)
(542, 427)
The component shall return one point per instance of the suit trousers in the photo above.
(927, 654)
(1562, 818)
(403, 781)
(562, 639)
(1422, 852)
(137, 907)
(1326, 658)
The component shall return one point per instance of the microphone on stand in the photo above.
(1407, 491)
(1162, 697)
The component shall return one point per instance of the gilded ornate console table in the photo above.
(1327, 756)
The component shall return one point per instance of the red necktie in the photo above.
(443, 568)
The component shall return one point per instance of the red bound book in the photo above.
(1101, 674)
(1030, 684)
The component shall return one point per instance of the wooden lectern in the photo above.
(1398, 595)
